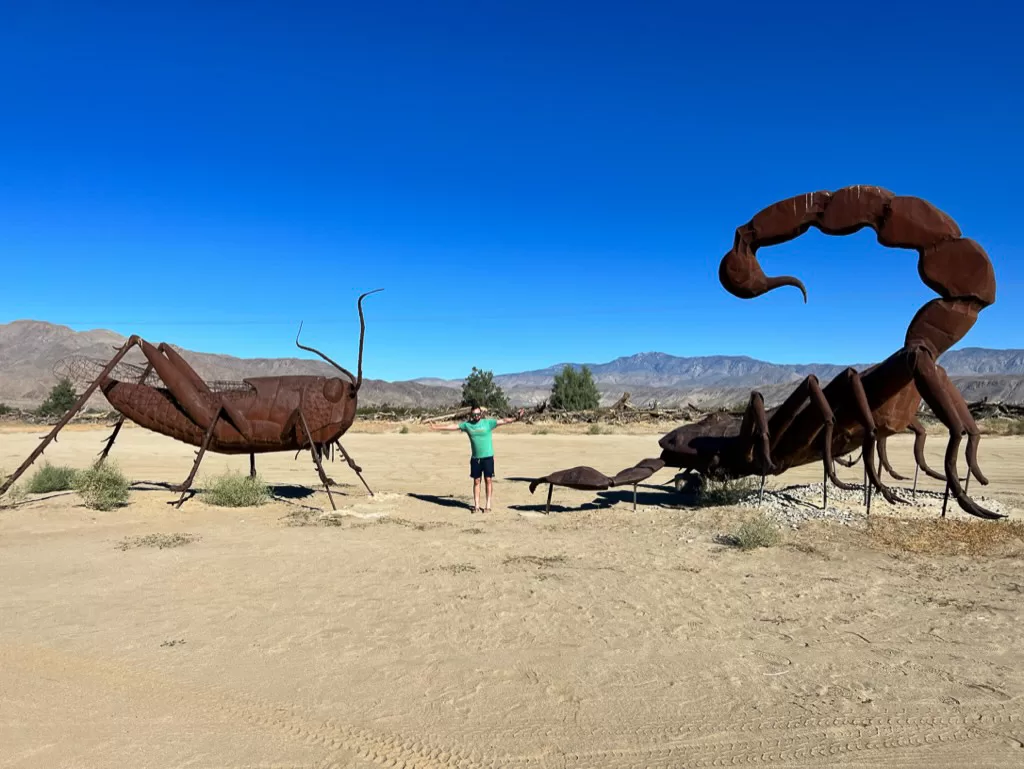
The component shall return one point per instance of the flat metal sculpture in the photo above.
(581, 477)
(584, 478)
(854, 410)
(253, 416)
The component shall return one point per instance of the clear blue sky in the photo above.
(531, 182)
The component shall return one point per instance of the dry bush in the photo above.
(160, 541)
(1001, 426)
(755, 533)
(724, 493)
(52, 478)
(948, 536)
(103, 487)
(237, 490)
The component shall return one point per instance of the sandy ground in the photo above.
(432, 637)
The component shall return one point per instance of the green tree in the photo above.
(575, 390)
(480, 389)
(61, 398)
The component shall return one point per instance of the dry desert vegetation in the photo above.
(407, 631)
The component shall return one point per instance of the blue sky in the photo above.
(530, 182)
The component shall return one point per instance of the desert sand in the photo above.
(415, 633)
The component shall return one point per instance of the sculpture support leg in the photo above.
(252, 465)
(184, 487)
(547, 505)
(351, 463)
(132, 340)
(316, 459)
(120, 423)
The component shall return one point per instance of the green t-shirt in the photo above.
(480, 437)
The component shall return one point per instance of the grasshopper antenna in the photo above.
(342, 369)
(362, 334)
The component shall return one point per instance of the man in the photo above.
(481, 461)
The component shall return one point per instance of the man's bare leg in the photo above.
(476, 495)
(490, 493)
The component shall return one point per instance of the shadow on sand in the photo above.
(442, 501)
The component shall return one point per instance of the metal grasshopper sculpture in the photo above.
(253, 416)
(855, 409)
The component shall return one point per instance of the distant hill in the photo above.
(29, 349)
(721, 380)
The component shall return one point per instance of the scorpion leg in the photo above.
(942, 401)
(919, 436)
(316, 458)
(970, 426)
(868, 422)
(821, 403)
(132, 340)
(883, 459)
(756, 422)
(351, 463)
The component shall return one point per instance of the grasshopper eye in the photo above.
(334, 389)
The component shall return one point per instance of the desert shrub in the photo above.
(481, 390)
(237, 490)
(5, 409)
(594, 429)
(728, 492)
(575, 390)
(541, 431)
(61, 398)
(404, 430)
(103, 487)
(758, 532)
(52, 478)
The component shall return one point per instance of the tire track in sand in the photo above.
(703, 741)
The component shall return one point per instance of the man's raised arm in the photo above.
(445, 428)
(507, 420)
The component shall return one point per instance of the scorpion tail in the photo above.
(362, 335)
(956, 268)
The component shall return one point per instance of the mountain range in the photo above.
(29, 349)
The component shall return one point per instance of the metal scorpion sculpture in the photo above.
(856, 409)
(253, 416)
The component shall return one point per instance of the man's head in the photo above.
(475, 414)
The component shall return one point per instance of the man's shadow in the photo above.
(442, 501)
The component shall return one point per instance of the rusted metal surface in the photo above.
(641, 471)
(254, 416)
(856, 409)
(582, 478)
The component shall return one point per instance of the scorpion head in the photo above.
(701, 446)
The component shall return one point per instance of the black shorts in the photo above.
(483, 466)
